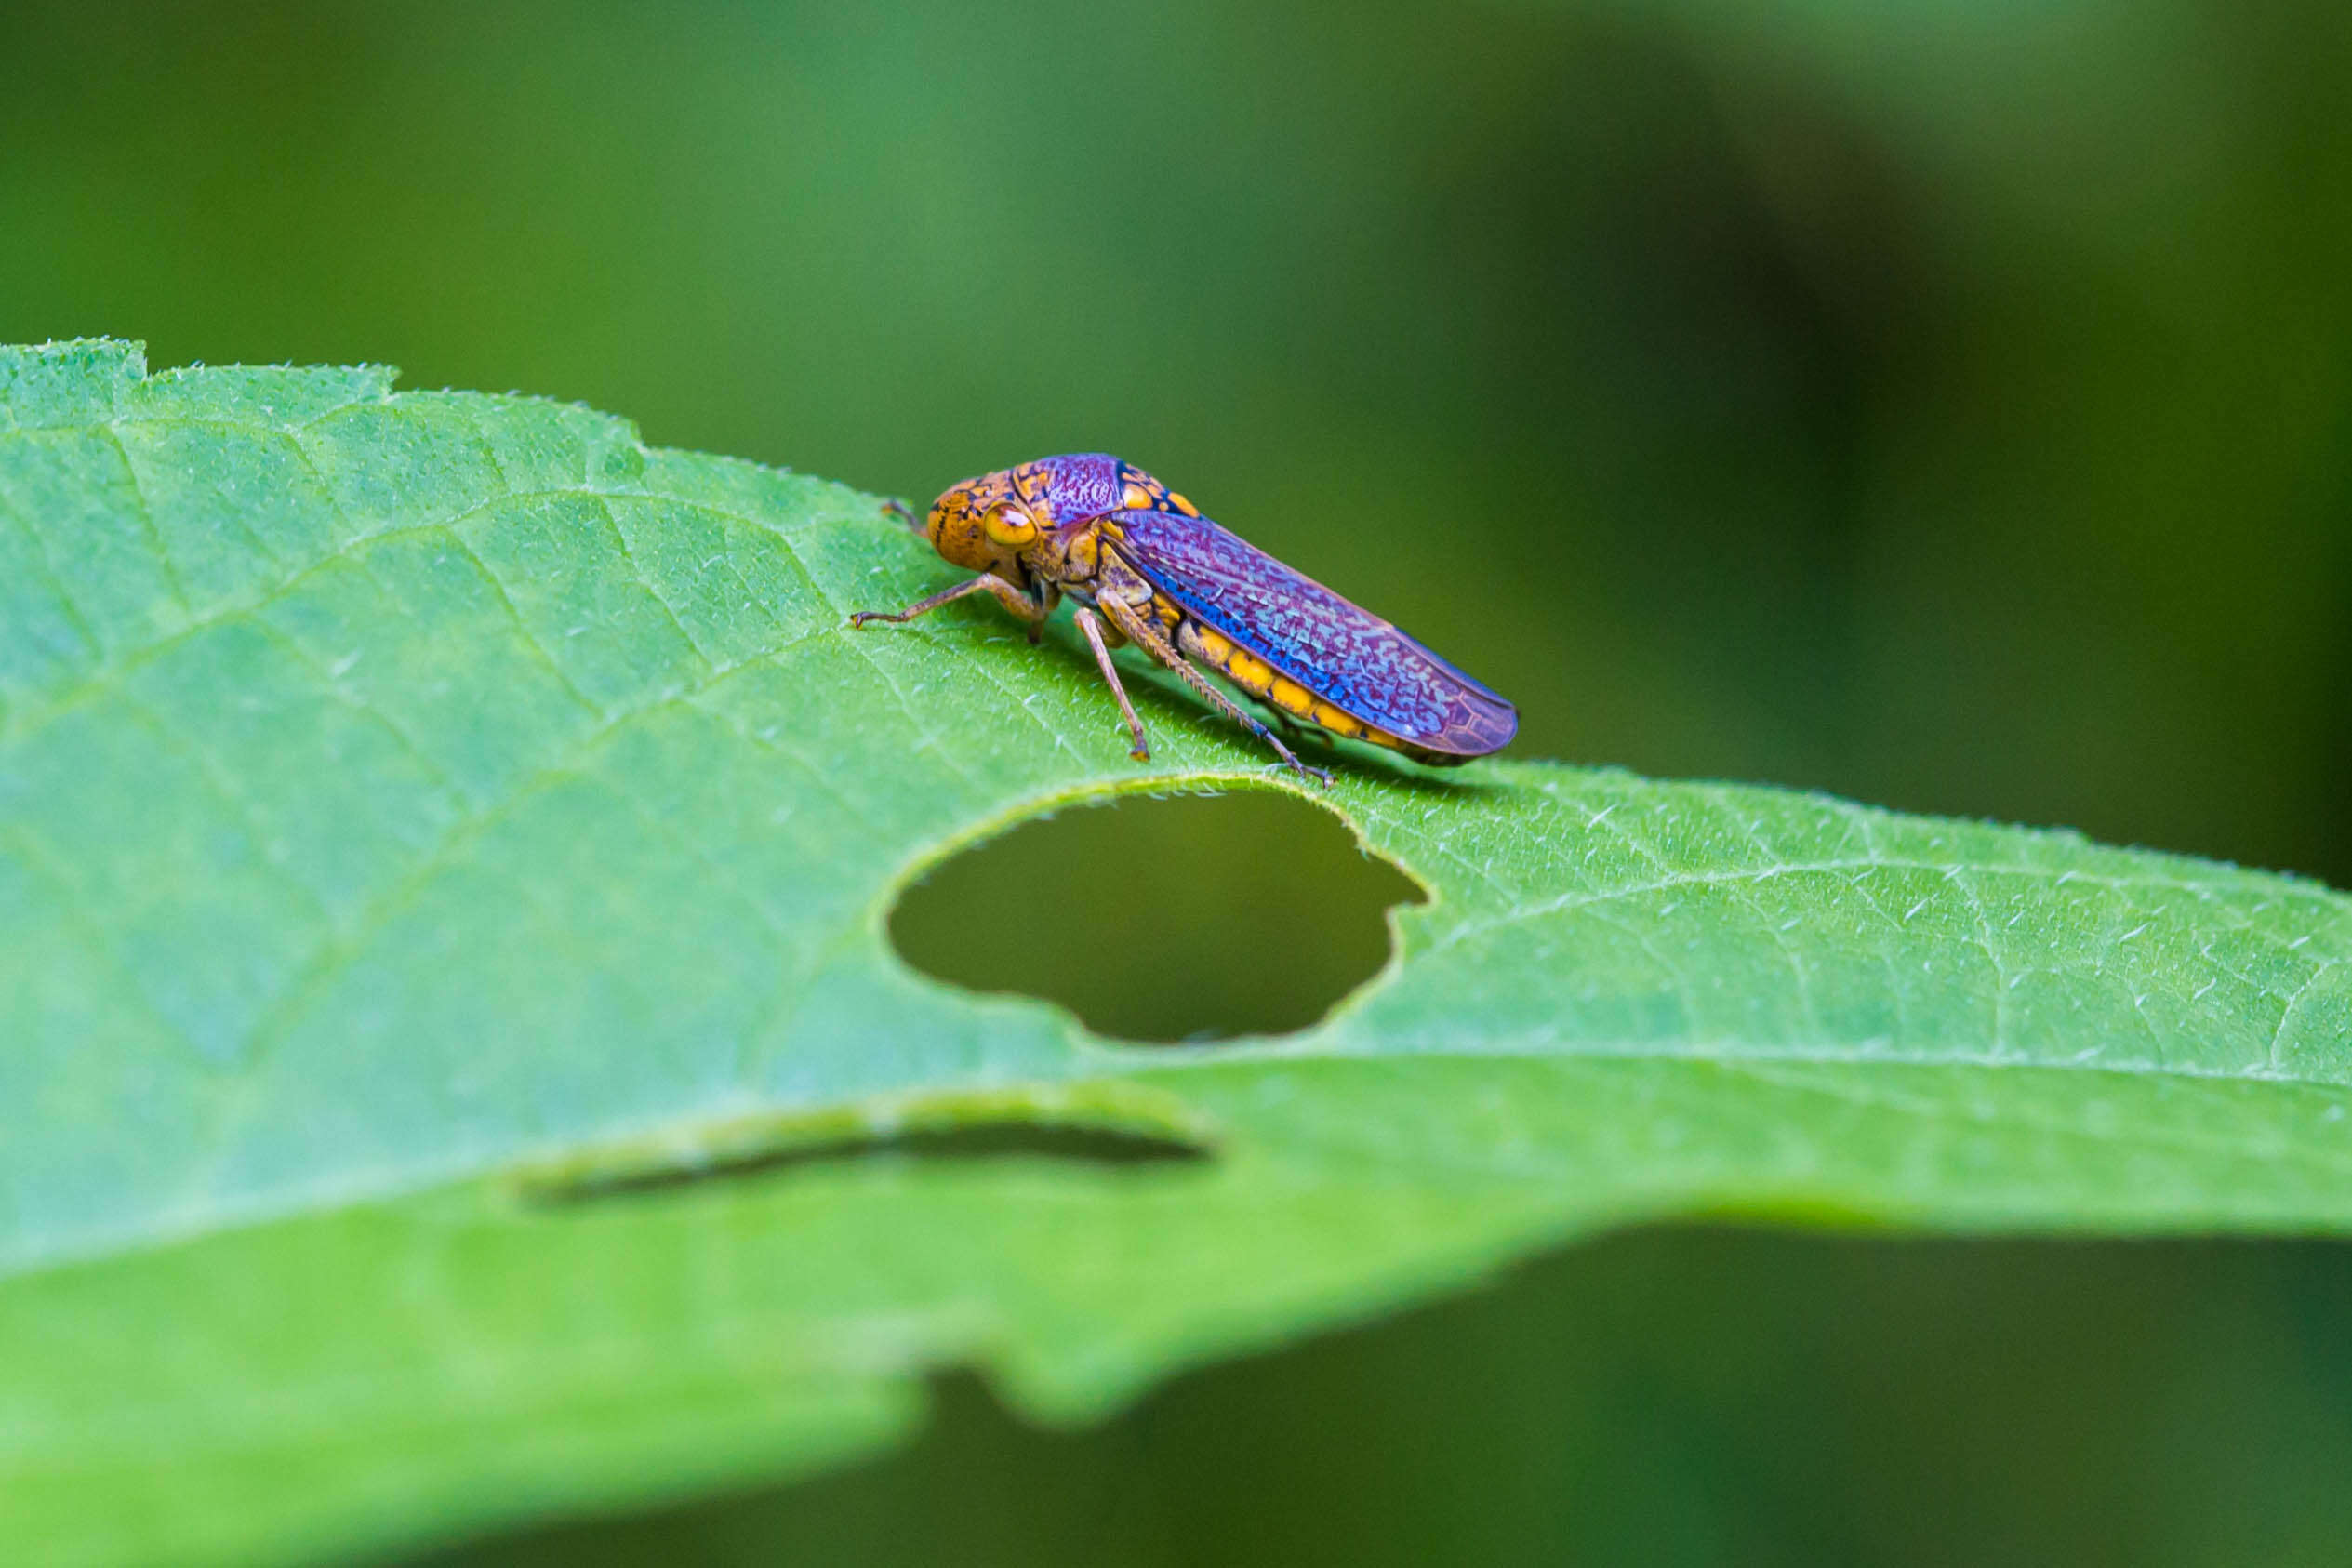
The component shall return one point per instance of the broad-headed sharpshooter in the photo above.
(1120, 542)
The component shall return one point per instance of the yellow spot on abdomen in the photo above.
(1250, 674)
(1336, 722)
(1290, 698)
(1135, 497)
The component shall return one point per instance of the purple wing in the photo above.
(1349, 657)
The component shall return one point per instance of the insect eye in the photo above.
(1010, 528)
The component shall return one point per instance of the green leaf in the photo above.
(422, 815)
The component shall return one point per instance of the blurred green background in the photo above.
(1947, 404)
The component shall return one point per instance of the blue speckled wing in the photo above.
(1347, 656)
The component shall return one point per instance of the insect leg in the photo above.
(1093, 629)
(1048, 596)
(1020, 604)
(1141, 630)
(1288, 726)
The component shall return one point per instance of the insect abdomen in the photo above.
(1262, 680)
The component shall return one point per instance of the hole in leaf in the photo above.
(1190, 918)
(1001, 1141)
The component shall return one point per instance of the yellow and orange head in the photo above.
(988, 523)
(984, 524)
